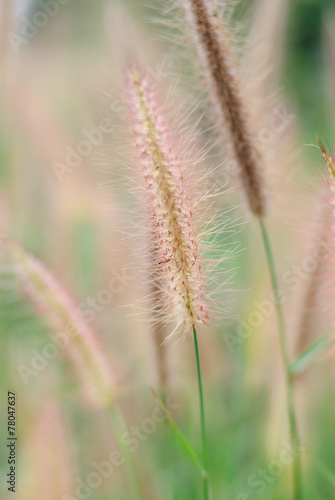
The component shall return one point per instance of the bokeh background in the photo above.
(65, 77)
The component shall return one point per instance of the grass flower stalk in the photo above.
(213, 47)
(83, 349)
(175, 240)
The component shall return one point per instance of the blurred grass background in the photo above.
(53, 89)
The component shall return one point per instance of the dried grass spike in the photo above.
(213, 48)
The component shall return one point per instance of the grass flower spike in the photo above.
(329, 236)
(176, 246)
(330, 164)
(318, 294)
(213, 47)
(78, 342)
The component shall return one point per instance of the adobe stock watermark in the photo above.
(88, 309)
(296, 275)
(259, 481)
(293, 278)
(279, 120)
(131, 440)
(246, 327)
(92, 137)
(29, 28)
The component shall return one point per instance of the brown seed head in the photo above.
(213, 48)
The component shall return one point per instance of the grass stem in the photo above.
(202, 418)
(298, 495)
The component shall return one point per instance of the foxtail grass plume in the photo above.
(77, 341)
(330, 184)
(310, 321)
(329, 236)
(330, 164)
(176, 246)
(212, 43)
(315, 315)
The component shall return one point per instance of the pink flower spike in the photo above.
(175, 240)
(76, 340)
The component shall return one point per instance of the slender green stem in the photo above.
(298, 495)
(202, 418)
(119, 428)
(189, 450)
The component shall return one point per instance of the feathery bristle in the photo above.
(82, 346)
(213, 48)
(176, 246)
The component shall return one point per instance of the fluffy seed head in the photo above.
(213, 48)
(176, 248)
(78, 342)
(330, 184)
(325, 281)
(330, 164)
(310, 321)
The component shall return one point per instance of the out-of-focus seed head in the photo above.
(78, 342)
(212, 44)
